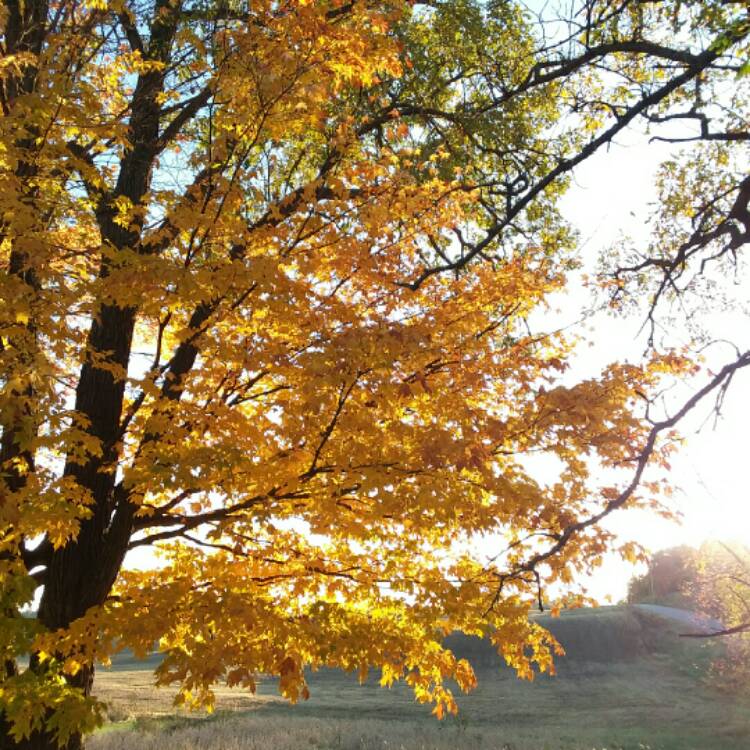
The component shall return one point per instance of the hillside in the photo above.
(607, 634)
(604, 634)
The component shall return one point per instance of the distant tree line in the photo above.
(669, 578)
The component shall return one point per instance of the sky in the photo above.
(610, 198)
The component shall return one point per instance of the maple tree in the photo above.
(267, 271)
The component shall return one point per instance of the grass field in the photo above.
(628, 682)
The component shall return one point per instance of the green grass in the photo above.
(629, 683)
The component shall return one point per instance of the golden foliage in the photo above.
(223, 333)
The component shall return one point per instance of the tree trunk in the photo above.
(81, 574)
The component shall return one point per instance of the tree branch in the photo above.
(641, 461)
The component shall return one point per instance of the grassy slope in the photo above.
(628, 682)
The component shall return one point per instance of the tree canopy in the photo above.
(267, 273)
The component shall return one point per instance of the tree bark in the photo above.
(80, 575)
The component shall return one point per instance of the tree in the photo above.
(701, 224)
(670, 571)
(267, 275)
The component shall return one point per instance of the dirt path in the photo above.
(696, 622)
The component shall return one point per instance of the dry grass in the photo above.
(257, 733)
(131, 695)
(631, 706)
(653, 700)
